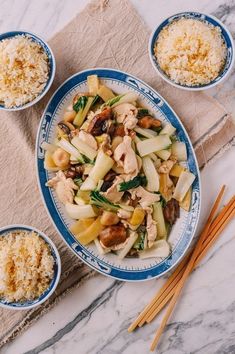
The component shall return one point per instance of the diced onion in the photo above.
(103, 164)
(160, 249)
(185, 181)
(69, 148)
(151, 174)
(168, 130)
(79, 211)
(131, 240)
(178, 149)
(147, 133)
(88, 185)
(84, 148)
(48, 147)
(164, 154)
(157, 143)
(129, 97)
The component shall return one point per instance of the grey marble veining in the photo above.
(225, 92)
(94, 318)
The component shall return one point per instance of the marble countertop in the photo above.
(94, 318)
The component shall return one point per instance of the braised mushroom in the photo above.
(149, 122)
(98, 125)
(113, 235)
(66, 127)
(171, 211)
(108, 181)
(74, 171)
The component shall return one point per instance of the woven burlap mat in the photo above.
(106, 34)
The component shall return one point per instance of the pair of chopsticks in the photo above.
(171, 290)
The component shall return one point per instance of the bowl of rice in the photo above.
(30, 267)
(27, 69)
(192, 51)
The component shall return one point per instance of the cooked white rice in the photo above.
(26, 266)
(24, 70)
(191, 52)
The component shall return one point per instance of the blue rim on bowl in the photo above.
(52, 66)
(205, 18)
(57, 270)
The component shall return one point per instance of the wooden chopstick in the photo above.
(140, 320)
(160, 293)
(151, 314)
(184, 278)
(157, 336)
(213, 236)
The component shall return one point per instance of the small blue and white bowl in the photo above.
(228, 40)
(57, 270)
(51, 63)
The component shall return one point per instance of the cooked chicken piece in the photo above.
(118, 169)
(98, 124)
(126, 113)
(125, 156)
(171, 211)
(124, 214)
(151, 228)
(113, 235)
(149, 122)
(112, 193)
(88, 139)
(146, 198)
(63, 186)
(166, 166)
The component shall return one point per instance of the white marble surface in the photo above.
(94, 318)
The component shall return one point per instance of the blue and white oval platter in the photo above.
(129, 269)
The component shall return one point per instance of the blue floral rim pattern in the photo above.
(210, 20)
(82, 252)
(51, 60)
(54, 281)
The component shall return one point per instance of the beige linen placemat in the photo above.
(106, 34)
